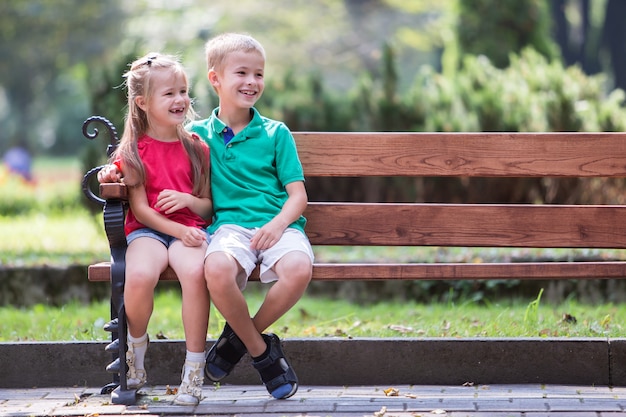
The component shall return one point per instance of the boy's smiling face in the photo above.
(240, 82)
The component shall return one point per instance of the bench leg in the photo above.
(121, 394)
(114, 226)
(113, 348)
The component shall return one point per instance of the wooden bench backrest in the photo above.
(578, 155)
(466, 155)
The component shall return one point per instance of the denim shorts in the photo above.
(166, 240)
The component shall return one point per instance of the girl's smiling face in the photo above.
(167, 103)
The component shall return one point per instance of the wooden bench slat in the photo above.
(473, 225)
(475, 154)
(435, 271)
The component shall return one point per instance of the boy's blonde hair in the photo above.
(219, 47)
(138, 82)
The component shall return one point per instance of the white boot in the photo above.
(190, 391)
(136, 377)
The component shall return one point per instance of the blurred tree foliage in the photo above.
(332, 65)
(508, 26)
(42, 49)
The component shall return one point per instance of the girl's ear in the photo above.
(140, 101)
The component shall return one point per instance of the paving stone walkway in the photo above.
(323, 401)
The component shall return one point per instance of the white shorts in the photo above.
(235, 240)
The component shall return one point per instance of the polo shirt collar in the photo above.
(253, 129)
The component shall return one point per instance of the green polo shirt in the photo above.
(249, 174)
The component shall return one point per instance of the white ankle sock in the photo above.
(195, 356)
(140, 346)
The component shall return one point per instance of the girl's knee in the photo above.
(141, 278)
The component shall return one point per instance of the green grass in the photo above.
(53, 239)
(325, 317)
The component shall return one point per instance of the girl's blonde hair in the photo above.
(138, 82)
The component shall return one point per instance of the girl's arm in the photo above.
(170, 201)
(190, 236)
(109, 173)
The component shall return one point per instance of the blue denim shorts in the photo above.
(166, 240)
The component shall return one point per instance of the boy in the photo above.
(259, 197)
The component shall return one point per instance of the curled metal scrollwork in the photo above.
(87, 190)
(112, 132)
(113, 142)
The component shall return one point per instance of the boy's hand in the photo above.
(170, 201)
(267, 236)
(109, 173)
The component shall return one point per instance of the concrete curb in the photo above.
(361, 361)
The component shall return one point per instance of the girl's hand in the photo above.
(170, 201)
(109, 173)
(193, 236)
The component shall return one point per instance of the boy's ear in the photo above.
(213, 78)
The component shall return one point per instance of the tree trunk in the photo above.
(615, 39)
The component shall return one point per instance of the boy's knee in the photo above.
(218, 269)
(296, 264)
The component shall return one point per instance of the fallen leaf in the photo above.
(468, 384)
(391, 392)
(438, 411)
(170, 391)
(568, 318)
(340, 333)
(380, 413)
(400, 328)
(548, 332)
(304, 315)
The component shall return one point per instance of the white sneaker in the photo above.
(135, 378)
(190, 391)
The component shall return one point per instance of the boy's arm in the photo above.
(293, 208)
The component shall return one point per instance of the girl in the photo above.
(166, 170)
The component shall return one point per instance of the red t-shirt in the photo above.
(167, 166)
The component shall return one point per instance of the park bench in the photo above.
(463, 155)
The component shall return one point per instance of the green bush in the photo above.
(531, 95)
